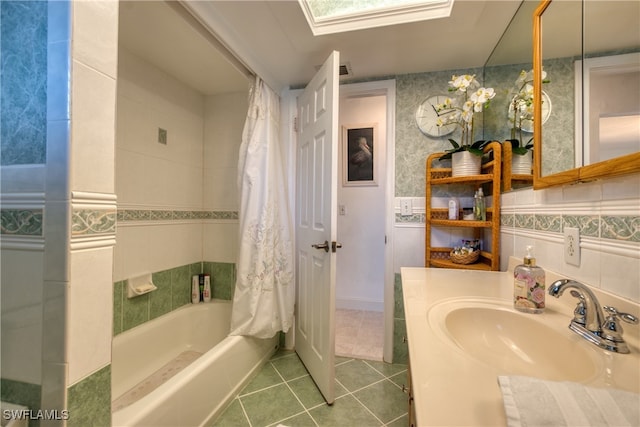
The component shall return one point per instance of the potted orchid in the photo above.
(468, 99)
(521, 119)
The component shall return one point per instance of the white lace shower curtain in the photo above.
(265, 292)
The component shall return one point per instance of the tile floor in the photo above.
(359, 334)
(368, 393)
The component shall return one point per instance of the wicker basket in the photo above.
(468, 258)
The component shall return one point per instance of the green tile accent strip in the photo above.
(21, 393)
(589, 225)
(89, 401)
(410, 219)
(551, 223)
(22, 222)
(131, 215)
(625, 228)
(89, 221)
(174, 291)
(524, 221)
(610, 227)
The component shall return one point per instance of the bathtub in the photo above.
(192, 340)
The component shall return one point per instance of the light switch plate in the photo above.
(572, 246)
(406, 207)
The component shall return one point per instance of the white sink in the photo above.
(514, 343)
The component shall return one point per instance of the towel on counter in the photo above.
(530, 402)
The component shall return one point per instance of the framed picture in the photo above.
(358, 155)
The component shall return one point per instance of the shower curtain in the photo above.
(265, 293)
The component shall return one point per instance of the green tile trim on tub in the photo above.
(89, 400)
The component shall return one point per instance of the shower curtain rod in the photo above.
(210, 35)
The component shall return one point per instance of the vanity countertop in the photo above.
(449, 387)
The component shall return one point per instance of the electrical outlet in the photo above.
(406, 208)
(572, 246)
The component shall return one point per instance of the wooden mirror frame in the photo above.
(622, 165)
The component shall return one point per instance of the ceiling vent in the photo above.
(344, 70)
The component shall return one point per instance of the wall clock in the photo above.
(427, 117)
(527, 124)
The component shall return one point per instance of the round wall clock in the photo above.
(527, 124)
(427, 117)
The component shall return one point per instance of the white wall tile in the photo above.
(95, 34)
(408, 246)
(620, 275)
(90, 312)
(220, 241)
(221, 189)
(93, 130)
(621, 188)
(21, 280)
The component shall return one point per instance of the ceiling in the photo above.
(273, 40)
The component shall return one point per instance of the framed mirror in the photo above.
(586, 61)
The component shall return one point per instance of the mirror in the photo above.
(585, 56)
(511, 55)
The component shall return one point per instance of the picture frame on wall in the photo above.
(358, 155)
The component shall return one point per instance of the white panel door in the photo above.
(316, 206)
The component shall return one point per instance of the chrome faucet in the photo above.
(589, 320)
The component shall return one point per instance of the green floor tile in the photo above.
(300, 420)
(233, 416)
(267, 377)
(384, 399)
(387, 369)
(403, 421)
(346, 411)
(356, 374)
(271, 405)
(306, 391)
(290, 367)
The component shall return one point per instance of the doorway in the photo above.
(364, 277)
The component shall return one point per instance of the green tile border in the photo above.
(132, 215)
(21, 222)
(93, 221)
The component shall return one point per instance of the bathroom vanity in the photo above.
(463, 333)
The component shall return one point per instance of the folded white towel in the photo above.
(530, 402)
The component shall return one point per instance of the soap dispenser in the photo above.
(529, 285)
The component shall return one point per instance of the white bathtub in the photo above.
(202, 389)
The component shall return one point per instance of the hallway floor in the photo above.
(368, 394)
(359, 334)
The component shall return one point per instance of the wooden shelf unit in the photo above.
(509, 178)
(490, 179)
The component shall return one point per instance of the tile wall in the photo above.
(174, 291)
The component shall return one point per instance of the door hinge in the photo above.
(385, 239)
(295, 124)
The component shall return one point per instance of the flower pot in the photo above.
(521, 163)
(464, 163)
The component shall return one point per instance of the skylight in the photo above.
(335, 16)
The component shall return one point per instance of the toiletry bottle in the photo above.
(453, 208)
(482, 209)
(201, 282)
(195, 289)
(206, 293)
(528, 285)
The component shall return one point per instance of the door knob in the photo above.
(335, 245)
(324, 246)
